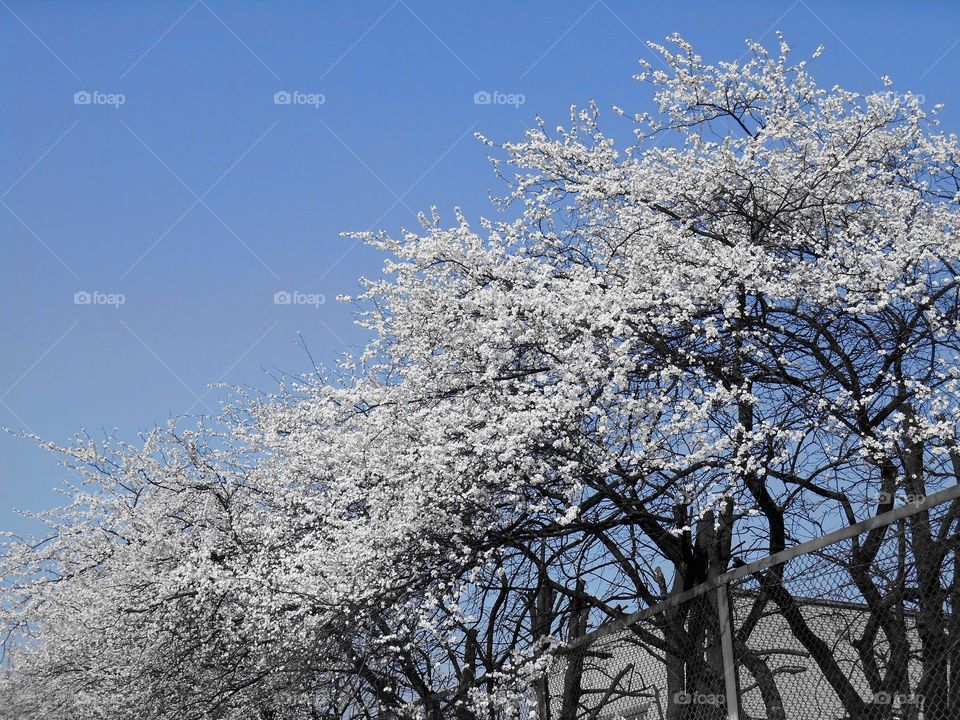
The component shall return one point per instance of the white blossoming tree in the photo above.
(705, 348)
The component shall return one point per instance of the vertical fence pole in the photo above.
(731, 687)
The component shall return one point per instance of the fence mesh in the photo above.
(864, 628)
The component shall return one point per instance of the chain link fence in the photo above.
(863, 624)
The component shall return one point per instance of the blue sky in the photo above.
(197, 197)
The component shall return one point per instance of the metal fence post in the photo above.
(731, 686)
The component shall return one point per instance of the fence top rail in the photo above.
(731, 576)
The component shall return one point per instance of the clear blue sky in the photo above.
(198, 197)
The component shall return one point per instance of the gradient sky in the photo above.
(198, 197)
